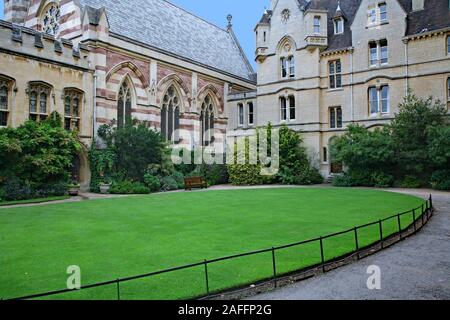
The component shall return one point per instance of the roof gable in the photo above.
(164, 26)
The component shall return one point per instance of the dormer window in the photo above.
(50, 19)
(339, 26)
(377, 14)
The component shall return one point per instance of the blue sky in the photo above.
(246, 14)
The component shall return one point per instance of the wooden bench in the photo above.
(195, 182)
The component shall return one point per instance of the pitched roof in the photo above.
(436, 15)
(164, 26)
(348, 9)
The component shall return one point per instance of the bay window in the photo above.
(317, 24)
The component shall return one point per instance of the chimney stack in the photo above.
(16, 11)
(418, 5)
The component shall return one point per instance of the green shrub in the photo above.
(51, 190)
(287, 176)
(37, 154)
(411, 182)
(309, 176)
(343, 180)
(214, 174)
(168, 184)
(2, 193)
(128, 187)
(440, 180)
(179, 179)
(382, 180)
(16, 190)
(139, 188)
(152, 182)
(245, 174)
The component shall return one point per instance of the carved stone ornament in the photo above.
(285, 15)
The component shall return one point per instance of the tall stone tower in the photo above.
(16, 10)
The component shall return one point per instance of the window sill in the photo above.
(375, 25)
(380, 115)
(336, 89)
(379, 66)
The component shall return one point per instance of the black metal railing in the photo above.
(418, 221)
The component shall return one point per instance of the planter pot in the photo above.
(104, 188)
(74, 191)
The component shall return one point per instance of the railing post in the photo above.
(423, 214)
(356, 240)
(431, 201)
(399, 226)
(118, 289)
(414, 220)
(206, 277)
(274, 265)
(381, 234)
(322, 255)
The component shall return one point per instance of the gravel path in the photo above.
(415, 269)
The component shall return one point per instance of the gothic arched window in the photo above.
(50, 19)
(39, 95)
(72, 108)
(170, 115)
(3, 104)
(124, 105)
(207, 121)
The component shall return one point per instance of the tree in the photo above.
(439, 153)
(132, 148)
(410, 128)
(369, 156)
(36, 159)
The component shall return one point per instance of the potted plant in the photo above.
(74, 189)
(105, 185)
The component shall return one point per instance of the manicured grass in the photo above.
(123, 237)
(41, 200)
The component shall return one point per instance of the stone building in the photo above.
(144, 59)
(321, 65)
(39, 75)
(325, 64)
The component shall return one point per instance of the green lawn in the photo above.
(41, 200)
(123, 237)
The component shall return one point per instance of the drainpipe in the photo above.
(351, 88)
(405, 41)
(94, 124)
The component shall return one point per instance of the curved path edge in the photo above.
(415, 269)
